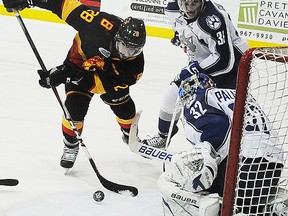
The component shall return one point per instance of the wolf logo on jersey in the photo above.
(213, 22)
(188, 42)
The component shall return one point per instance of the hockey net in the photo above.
(259, 186)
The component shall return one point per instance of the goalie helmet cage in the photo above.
(263, 73)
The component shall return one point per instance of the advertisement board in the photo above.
(151, 11)
(263, 20)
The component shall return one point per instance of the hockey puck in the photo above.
(98, 196)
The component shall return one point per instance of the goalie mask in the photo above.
(130, 38)
(190, 86)
(191, 8)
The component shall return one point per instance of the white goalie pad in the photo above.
(179, 202)
(209, 206)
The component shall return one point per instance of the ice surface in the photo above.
(31, 139)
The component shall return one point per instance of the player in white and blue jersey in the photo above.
(195, 184)
(207, 35)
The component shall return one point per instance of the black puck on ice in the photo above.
(98, 196)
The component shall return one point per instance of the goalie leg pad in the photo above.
(209, 206)
(179, 202)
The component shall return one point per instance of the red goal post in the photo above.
(263, 73)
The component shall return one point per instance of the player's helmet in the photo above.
(130, 38)
(191, 8)
(190, 86)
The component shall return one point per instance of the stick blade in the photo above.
(112, 186)
(133, 132)
(9, 182)
(143, 149)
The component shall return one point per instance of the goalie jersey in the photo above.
(209, 116)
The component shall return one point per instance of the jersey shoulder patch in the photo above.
(211, 19)
(213, 22)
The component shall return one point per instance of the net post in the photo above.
(236, 132)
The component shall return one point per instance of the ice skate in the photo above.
(69, 156)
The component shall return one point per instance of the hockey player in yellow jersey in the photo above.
(105, 58)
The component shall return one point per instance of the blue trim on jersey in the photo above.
(223, 49)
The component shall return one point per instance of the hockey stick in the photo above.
(176, 109)
(145, 150)
(9, 182)
(171, 126)
(118, 188)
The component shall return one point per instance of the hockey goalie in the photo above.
(194, 181)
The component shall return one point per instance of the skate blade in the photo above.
(66, 170)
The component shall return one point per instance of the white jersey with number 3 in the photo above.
(211, 39)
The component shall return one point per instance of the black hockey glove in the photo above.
(188, 71)
(56, 76)
(17, 4)
(176, 40)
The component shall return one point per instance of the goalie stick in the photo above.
(143, 149)
(9, 182)
(118, 188)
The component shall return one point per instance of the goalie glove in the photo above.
(197, 168)
(176, 40)
(56, 76)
